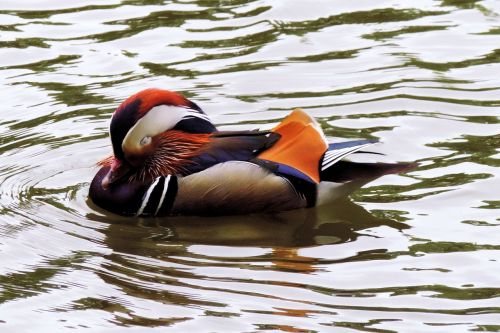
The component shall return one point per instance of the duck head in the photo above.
(154, 132)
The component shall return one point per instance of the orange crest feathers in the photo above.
(152, 97)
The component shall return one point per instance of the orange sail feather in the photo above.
(301, 146)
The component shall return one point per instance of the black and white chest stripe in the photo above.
(159, 197)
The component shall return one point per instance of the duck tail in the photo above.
(345, 177)
(344, 171)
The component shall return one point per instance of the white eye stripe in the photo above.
(159, 119)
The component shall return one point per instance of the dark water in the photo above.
(410, 253)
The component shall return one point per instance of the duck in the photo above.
(170, 159)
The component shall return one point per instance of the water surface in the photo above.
(417, 252)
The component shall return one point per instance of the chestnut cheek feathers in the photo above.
(136, 160)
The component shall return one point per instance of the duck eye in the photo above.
(145, 140)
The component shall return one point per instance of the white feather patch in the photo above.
(333, 156)
(159, 119)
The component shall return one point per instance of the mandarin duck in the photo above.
(169, 159)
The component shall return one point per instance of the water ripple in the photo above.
(406, 253)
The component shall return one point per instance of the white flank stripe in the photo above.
(146, 197)
(165, 188)
(158, 120)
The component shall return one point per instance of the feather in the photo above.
(338, 151)
(349, 144)
(301, 146)
(283, 170)
(106, 162)
(344, 171)
(149, 98)
(173, 154)
(335, 170)
(231, 146)
(235, 187)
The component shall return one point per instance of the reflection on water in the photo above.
(341, 222)
(406, 253)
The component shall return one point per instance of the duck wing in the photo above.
(231, 146)
(236, 187)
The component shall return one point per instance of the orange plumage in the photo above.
(301, 146)
(152, 97)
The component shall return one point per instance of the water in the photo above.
(407, 253)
